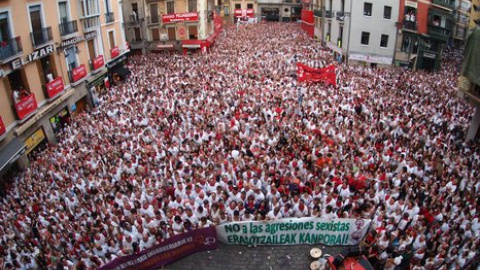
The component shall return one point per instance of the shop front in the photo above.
(97, 86)
(117, 70)
(35, 143)
(60, 121)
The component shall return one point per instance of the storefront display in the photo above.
(35, 143)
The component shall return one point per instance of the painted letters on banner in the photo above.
(295, 231)
(114, 52)
(309, 74)
(180, 17)
(55, 87)
(98, 62)
(170, 250)
(79, 72)
(26, 106)
(2, 127)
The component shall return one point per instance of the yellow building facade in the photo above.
(55, 55)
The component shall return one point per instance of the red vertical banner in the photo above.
(2, 127)
(308, 22)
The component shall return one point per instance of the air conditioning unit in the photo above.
(163, 37)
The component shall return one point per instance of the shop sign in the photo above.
(2, 127)
(35, 55)
(73, 108)
(409, 3)
(90, 35)
(180, 17)
(429, 55)
(55, 87)
(79, 72)
(69, 42)
(114, 52)
(371, 59)
(35, 139)
(98, 62)
(26, 106)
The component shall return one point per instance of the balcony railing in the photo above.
(445, 3)
(439, 32)
(409, 25)
(90, 22)
(153, 19)
(328, 13)
(109, 17)
(10, 48)
(68, 27)
(41, 36)
(340, 16)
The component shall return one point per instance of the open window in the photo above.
(17, 85)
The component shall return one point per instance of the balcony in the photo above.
(109, 17)
(340, 16)
(445, 3)
(153, 20)
(328, 13)
(438, 32)
(90, 22)
(41, 36)
(77, 74)
(54, 88)
(10, 48)
(26, 106)
(408, 25)
(68, 28)
(134, 20)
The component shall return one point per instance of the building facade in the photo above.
(157, 25)
(53, 62)
(461, 17)
(424, 28)
(358, 31)
(279, 10)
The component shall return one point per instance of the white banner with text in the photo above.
(295, 231)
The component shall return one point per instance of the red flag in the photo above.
(309, 74)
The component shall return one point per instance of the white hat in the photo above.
(397, 260)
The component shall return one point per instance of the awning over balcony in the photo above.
(11, 152)
(472, 54)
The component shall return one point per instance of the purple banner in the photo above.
(170, 250)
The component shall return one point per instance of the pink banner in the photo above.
(2, 127)
(55, 87)
(170, 250)
(26, 106)
(98, 62)
(79, 72)
(180, 17)
(309, 74)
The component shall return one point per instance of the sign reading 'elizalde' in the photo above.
(35, 55)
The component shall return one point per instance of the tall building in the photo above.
(55, 55)
(157, 25)
(424, 28)
(358, 31)
(280, 10)
(461, 17)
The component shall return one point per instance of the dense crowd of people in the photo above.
(191, 141)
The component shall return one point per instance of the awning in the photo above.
(121, 71)
(11, 152)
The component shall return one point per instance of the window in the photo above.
(249, 6)
(409, 44)
(367, 9)
(91, 49)
(171, 33)
(170, 7)
(4, 27)
(192, 32)
(387, 12)
(154, 13)
(384, 41)
(89, 7)
(365, 38)
(192, 5)
(18, 85)
(108, 7)
(340, 36)
(46, 66)
(155, 34)
(111, 39)
(63, 9)
(71, 57)
(238, 6)
(342, 6)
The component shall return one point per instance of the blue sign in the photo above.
(73, 108)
